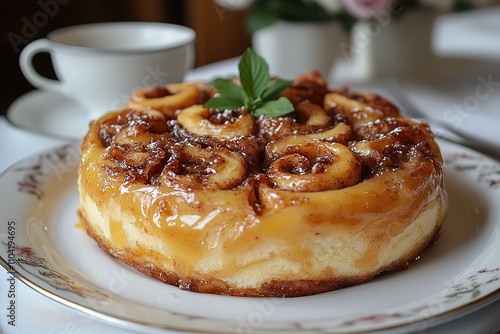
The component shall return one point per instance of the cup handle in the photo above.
(29, 71)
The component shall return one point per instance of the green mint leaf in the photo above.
(224, 103)
(275, 108)
(258, 93)
(226, 87)
(254, 73)
(253, 104)
(274, 89)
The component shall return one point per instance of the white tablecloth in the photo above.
(38, 314)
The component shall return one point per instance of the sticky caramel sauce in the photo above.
(200, 222)
(196, 223)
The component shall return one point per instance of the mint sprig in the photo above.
(260, 95)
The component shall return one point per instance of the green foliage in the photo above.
(267, 12)
(258, 93)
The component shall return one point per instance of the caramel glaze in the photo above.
(127, 154)
(170, 98)
(157, 92)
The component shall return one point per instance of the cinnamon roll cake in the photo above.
(221, 201)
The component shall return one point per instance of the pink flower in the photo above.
(366, 9)
(28, 185)
(27, 253)
(375, 318)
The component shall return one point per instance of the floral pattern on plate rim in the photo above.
(56, 162)
(469, 287)
(488, 173)
(26, 258)
(60, 161)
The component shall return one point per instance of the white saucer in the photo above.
(49, 113)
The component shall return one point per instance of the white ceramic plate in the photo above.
(41, 245)
(49, 113)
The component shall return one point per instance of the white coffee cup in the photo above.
(100, 65)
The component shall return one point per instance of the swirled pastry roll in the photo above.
(171, 98)
(221, 201)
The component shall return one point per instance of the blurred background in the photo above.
(221, 33)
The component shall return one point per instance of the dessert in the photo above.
(223, 201)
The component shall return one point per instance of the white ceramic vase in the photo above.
(393, 46)
(293, 48)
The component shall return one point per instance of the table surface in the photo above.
(39, 314)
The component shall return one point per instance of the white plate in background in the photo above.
(49, 113)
